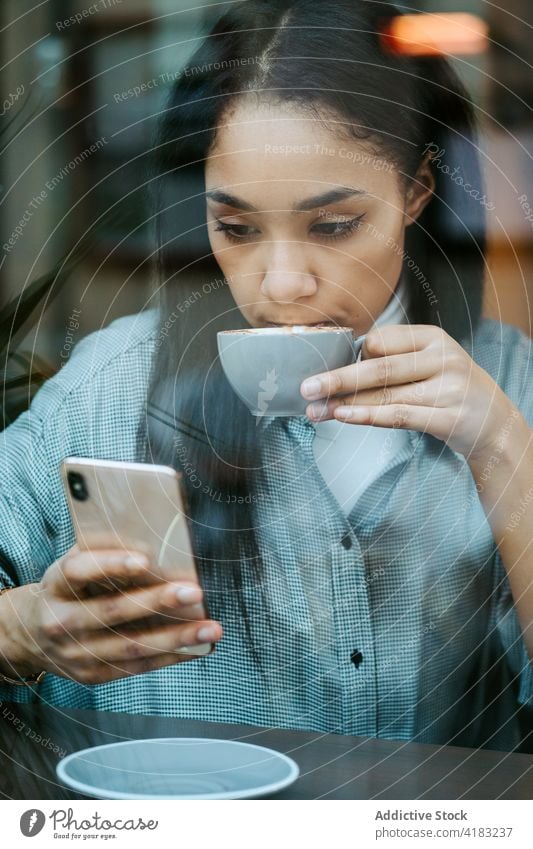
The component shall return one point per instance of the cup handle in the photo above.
(357, 345)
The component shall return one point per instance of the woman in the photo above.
(375, 586)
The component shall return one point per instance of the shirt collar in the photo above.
(267, 422)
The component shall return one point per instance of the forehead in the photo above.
(279, 146)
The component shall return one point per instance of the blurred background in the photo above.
(82, 85)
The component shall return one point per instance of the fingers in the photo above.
(438, 392)
(384, 371)
(436, 421)
(170, 601)
(69, 576)
(391, 355)
(419, 393)
(143, 628)
(147, 643)
(108, 658)
(400, 338)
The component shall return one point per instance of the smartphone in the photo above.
(137, 507)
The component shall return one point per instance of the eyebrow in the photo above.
(332, 196)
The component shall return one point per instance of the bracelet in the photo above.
(36, 678)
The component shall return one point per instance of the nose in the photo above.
(287, 278)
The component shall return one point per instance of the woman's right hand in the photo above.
(85, 638)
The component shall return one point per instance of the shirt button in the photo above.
(356, 657)
(346, 541)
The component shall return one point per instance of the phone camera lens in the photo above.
(77, 486)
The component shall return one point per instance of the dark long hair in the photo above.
(327, 58)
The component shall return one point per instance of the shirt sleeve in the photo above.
(78, 412)
(35, 527)
(25, 548)
(506, 353)
(81, 411)
(25, 531)
(32, 505)
(512, 642)
(512, 367)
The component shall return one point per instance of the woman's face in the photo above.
(306, 227)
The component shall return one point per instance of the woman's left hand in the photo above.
(416, 377)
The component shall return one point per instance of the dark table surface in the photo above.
(332, 766)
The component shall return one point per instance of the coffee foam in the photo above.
(288, 329)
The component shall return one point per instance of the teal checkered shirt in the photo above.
(394, 622)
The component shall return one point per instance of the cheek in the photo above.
(220, 245)
(226, 258)
(374, 263)
(383, 250)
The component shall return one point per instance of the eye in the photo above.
(329, 230)
(234, 232)
(339, 229)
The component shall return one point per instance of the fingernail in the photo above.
(207, 634)
(136, 560)
(188, 595)
(311, 387)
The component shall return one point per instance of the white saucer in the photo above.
(177, 768)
